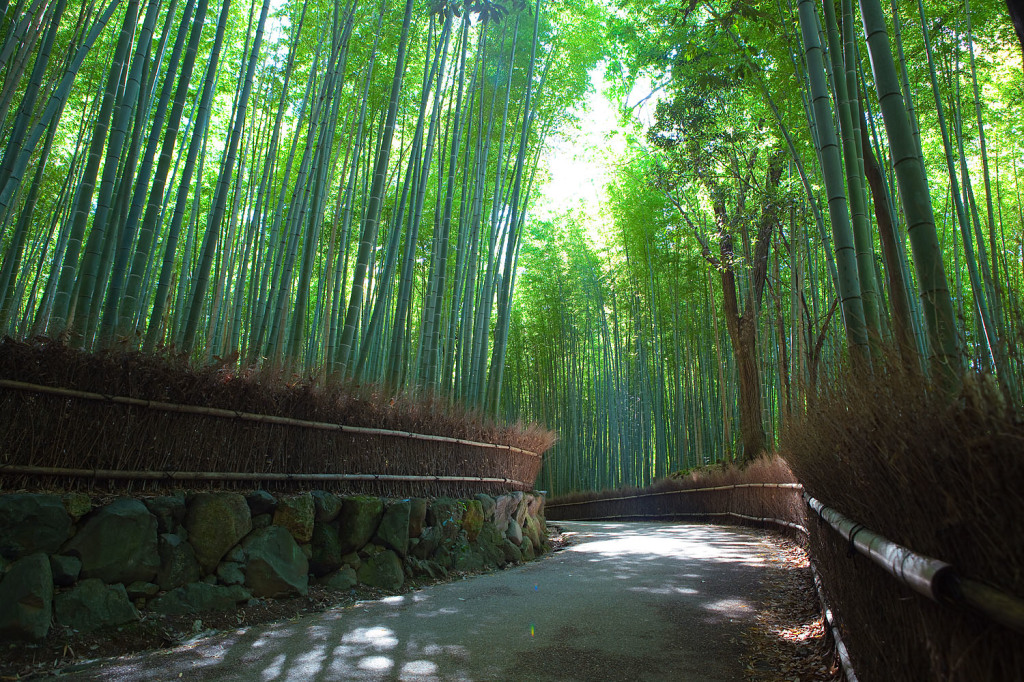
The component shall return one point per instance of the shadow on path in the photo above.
(636, 601)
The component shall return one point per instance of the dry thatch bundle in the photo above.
(240, 421)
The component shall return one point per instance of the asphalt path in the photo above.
(625, 601)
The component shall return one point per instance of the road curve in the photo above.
(636, 601)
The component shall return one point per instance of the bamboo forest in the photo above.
(360, 192)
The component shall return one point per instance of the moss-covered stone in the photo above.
(328, 506)
(417, 516)
(117, 544)
(26, 598)
(91, 605)
(383, 570)
(473, 519)
(276, 566)
(199, 597)
(178, 563)
(488, 504)
(343, 579)
(296, 515)
(393, 531)
(215, 523)
(360, 516)
(446, 513)
(76, 504)
(326, 549)
(32, 523)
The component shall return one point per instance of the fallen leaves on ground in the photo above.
(789, 642)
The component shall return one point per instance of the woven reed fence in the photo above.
(57, 437)
(772, 504)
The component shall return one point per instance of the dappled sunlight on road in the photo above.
(648, 600)
(682, 542)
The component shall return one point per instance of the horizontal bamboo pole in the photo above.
(19, 469)
(762, 519)
(999, 606)
(792, 486)
(933, 578)
(251, 417)
(923, 574)
(844, 654)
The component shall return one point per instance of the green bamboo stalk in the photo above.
(912, 183)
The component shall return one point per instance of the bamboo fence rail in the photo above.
(933, 578)
(251, 417)
(49, 434)
(243, 476)
(841, 650)
(792, 486)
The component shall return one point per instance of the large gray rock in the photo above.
(513, 554)
(117, 544)
(32, 523)
(296, 514)
(504, 509)
(141, 590)
(393, 531)
(514, 532)
(327, 555)
(328, 506)
(26, 598)
(358, 521)
(215, 523)
(446, 513)
(488, 504)
(169, 511)
(535, 504)
(417, 516)
(532, 530)
(528, 550)
(91, 605)
(490, 541)
(342, 579)
(383, 570)
(468, 557)
(421, 567)
(521, 507)
(178, 564)
(276, 566)
(230, 573)
(65, 569)
(261, 502)
(199, 597)
(429, 540)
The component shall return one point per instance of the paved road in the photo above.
(637, 601)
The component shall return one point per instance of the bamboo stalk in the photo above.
(792, 486)
(249, 416)
(116, 474)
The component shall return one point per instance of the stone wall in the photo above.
(67, 560)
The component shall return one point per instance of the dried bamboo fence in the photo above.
(777, 504)
(54, 436)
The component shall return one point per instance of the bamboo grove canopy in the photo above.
(802, 187)
(326, 187)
